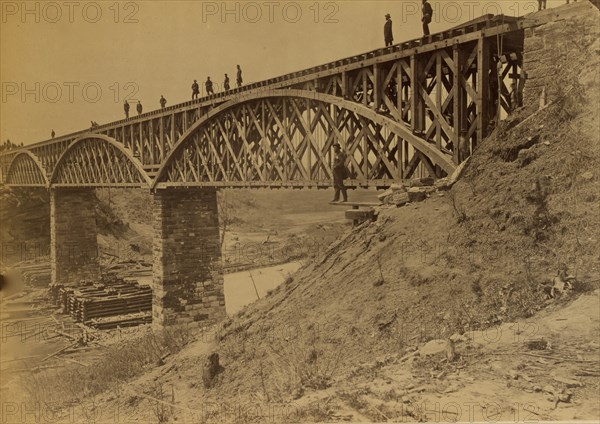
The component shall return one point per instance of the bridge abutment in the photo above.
(73, 243)
(187, 265)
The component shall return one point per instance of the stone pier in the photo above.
(187, 266)
(73, 243)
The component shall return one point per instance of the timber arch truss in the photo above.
(95, 160)
(26, 170)
(285, 138)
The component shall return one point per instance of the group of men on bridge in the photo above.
(427, 15)
(209, 84)
(138, 107)
(7, 145)
(195, 92)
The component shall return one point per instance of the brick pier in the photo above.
(187, 266)
(73, 244)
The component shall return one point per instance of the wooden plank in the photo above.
(483, 67)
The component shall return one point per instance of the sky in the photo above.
(66, 63)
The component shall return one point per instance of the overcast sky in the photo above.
(81, 59)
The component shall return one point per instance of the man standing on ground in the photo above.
(339, 173)
(239, 76)
(195, 90)
(387, 31)
(427, 16)
(542, 4)
(163, 102)
(126, 109)
(139, 108)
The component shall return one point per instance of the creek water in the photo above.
(239, 286)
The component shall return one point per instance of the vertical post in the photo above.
(483, 80)
(417, 102)
(460, 106)
(365, 88)
(142, 153)
(173, 132)
(307, 140)
(152, 140)
(377, 89)
(439, 86)
(399, 90)
(286, 156)
(345, 88)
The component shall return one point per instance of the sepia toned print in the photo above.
(299, 211)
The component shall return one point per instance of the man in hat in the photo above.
(195, 90)
(239, 76)
(226, 83)
(427, 11)
(339, 173)
(209, 87)
(387, 31)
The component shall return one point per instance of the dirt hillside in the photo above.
(448, 301)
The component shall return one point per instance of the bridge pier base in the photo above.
(187, 266)
(73, 244)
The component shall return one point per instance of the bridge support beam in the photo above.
(73, 243)
(187, 266)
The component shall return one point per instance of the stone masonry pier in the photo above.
(73, 244)
(187, 266)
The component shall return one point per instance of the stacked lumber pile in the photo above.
(108, 303)
(131, 269)
(122, 321)
(36, 274)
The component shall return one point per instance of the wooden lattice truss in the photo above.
(26, 170)
(285, 138)
(96, 160)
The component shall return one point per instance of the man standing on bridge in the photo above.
(387, 31)
(126, 109)
(195, 90)
(209, 87)
(139, 108)
(163, 102)
(239, 76)
(427, 16)
(339, 173)
(226, 83)
(52, 133)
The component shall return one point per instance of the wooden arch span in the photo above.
(95, 160)
(285, 138)
(26, 170)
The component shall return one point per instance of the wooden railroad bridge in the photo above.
(417, 108)
(396, 111)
